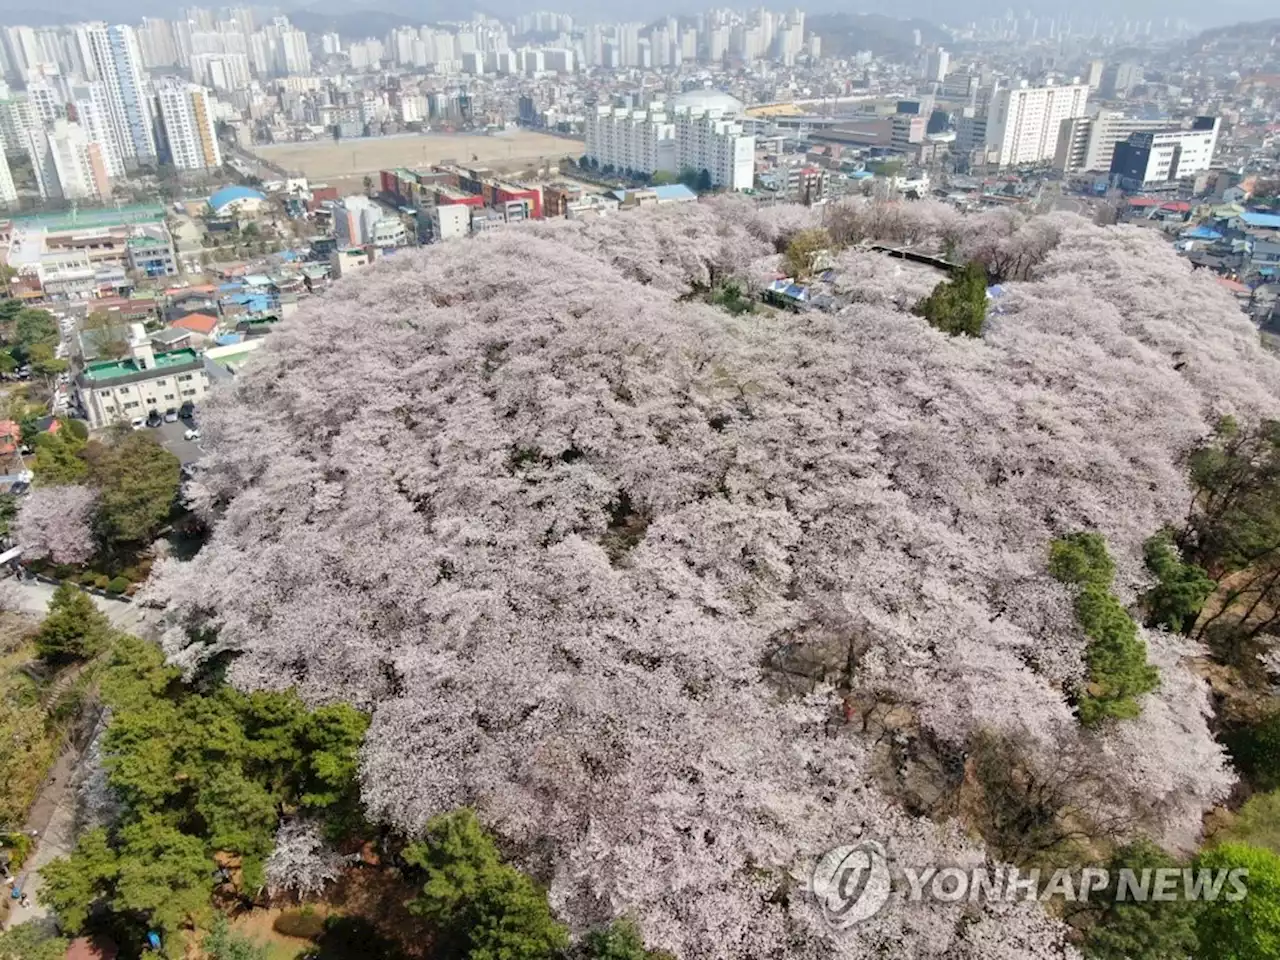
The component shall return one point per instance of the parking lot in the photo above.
(170, 436)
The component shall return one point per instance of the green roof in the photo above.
(87, 219)
(115, 369)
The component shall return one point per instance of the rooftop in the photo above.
(99, 373)
(80, 218)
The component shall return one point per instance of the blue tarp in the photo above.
(1201, 233)
(227, 339)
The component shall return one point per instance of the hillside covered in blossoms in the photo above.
(677, 597)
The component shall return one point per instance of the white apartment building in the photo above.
(67, 164)
(93, 113)
(1023, 122)
(130, 388)
(187, 117)
(705, 140)
(700, 133)
(639, 140)
(117, 61)
(1087, 143)
(8, 192)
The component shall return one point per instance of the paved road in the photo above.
(33, 598)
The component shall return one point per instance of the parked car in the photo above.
(187, 410)
(154, 419)
(171, 415)
(137, 423)
(192, 434)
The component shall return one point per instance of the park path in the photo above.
(53, 814)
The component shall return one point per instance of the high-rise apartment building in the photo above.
(67, 164)
(936, 66)
(118, 62)
(699, 133)
(92, 110)
(1023, 122)
(8, 191)
(190, 138)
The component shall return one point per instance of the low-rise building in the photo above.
(143, 380)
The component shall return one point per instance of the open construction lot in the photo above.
(331, 161)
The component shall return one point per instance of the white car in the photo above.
(192, 434)
(138, 423)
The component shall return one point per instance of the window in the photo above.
(161, 382)
(132, 404)
(188, 393)
(185, 377)
(168, 396)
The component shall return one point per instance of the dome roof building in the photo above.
(708, 100)
(235, 199)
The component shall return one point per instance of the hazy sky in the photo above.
(1197, 12)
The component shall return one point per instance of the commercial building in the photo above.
(358, 221)
(1149, 158)
(450, 221)
(1087, 144)
(190, 141)
(1023, 122)
(143, 380)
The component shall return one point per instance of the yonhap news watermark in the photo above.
(854, 882)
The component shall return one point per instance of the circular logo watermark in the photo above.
(852, 883)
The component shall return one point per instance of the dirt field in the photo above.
(326, 160)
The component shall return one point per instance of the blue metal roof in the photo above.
(231, 194)
(1271, 220)
(674, 191)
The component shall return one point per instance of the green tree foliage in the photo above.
(26, 334)
(1181, 588)
(58, 461)
(1139, 930)
(8, 510)
(1257, 823)
(958, 305)
(138, 480)
(223, 944)
(74, 628)
(72, 886)
(1248, 928)
(1255, 750)
(31, 941)
(803, 250)
(704, 184)
(620, 940)
(730, 296)
(199, 772)
(1236, 478)
(482, 908)
(1118, 672)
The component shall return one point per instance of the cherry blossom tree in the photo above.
(54, 522)
(301, 862)
(618, 569)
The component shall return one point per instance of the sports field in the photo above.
(340, 160)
